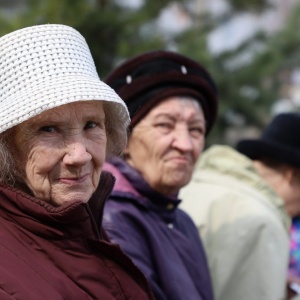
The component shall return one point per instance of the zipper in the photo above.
(93, 221)
(108, 183)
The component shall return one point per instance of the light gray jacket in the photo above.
(243, 226)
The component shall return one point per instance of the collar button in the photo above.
(170, 206)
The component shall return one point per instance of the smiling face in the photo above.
(165, 144)
(62, 150)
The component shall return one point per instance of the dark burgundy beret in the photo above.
(146, 79)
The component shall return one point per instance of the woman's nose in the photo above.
(77, 154)
(183, 140)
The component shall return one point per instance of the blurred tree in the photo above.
(253, 5)
(112, 31)
(248, 77)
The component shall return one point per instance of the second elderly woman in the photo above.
(58, 123)
(172, 102)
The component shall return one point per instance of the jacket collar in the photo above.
(68, 220)
(239, 172)
(131, 185)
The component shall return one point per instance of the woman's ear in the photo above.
(289, 174)
(295, 175)
(126, 154)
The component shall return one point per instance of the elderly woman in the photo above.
(172, 101)
(58, 123)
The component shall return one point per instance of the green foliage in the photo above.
(116, 34)
(247, 89)
(253, 5)
(112, 32)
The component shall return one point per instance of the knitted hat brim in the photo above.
(55, 92)
(45, 66)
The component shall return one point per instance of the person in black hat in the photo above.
(276, 156)
(172, 101)
(277, 152)
(246, 199)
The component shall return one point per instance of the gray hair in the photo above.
(116, 131)
(8, 171)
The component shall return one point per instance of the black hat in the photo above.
(146, 79)
(280, 141)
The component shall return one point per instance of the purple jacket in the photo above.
(161, 239)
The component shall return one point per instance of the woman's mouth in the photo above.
(73, 180)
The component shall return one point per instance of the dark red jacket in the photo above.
(49, 252)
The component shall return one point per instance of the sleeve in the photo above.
(126, 229)
(247, 248)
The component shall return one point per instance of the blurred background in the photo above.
(252, 48)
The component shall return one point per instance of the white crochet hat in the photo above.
(46, 66)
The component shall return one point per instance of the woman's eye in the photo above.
(48, 129)
(164, 125)
(90, 124)
(197, 130)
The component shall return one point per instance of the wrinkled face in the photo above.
(62, 151)
(166, 143)
(285, 181)
(292, 200)
(289, 189)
